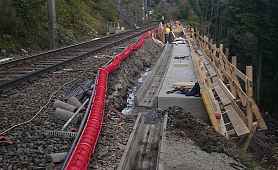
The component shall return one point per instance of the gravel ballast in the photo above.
(31, 145)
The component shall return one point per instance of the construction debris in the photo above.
(79, 91)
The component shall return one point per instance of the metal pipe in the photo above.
(77, 111)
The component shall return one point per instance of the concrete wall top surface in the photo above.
(180, 70)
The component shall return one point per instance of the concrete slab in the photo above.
(182, 73)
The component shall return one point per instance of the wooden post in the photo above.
(214, 54)
(249, 92)
(217, 64)
(207, 42)
(234, 61)
(52, 25)
(221, 63)
(227, 51)
(211, 41)
(233, 75)
(204, 42)
(198, 37)
(249, 74)
(221, 47)
(245, 145)
(193, 33)
(163, 35)
(210, 47)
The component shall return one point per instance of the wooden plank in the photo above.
(207, 99)
(238, 124)
(200, 52)
(226, 90)
(224, 99)
(238, 88)
(255, 109)
(212, 73)
(180, 64)
(188, 85)
(258, 115)
(242, 76)
(214, 67)
(233, 103)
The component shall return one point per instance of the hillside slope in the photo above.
(23, 24)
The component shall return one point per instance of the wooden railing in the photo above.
(237, 86)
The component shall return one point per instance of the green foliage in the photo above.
(24, 23)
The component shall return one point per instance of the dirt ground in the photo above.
(264, 145)
(185, 127)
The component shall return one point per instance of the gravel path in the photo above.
(184, 154)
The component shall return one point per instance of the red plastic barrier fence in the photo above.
(86, 144)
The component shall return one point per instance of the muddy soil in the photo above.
(264, 144)
(185, 126)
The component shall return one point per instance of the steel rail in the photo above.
(65, 48)
(34, 74)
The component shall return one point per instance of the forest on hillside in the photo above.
(24, 23)
(249, 29)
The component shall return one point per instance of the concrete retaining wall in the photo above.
(128, 158)
(145, 86)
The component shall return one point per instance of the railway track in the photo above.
(18, 71)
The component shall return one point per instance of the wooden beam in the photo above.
(234, 61)
(245, 145)
(227, 51)
(249, 92)
(221, 47)
(238, 124)
(187, 85)
(226, 90)
(233, 103)
(249, 74)
(238, 88)
(258, 115)
(234, 77)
